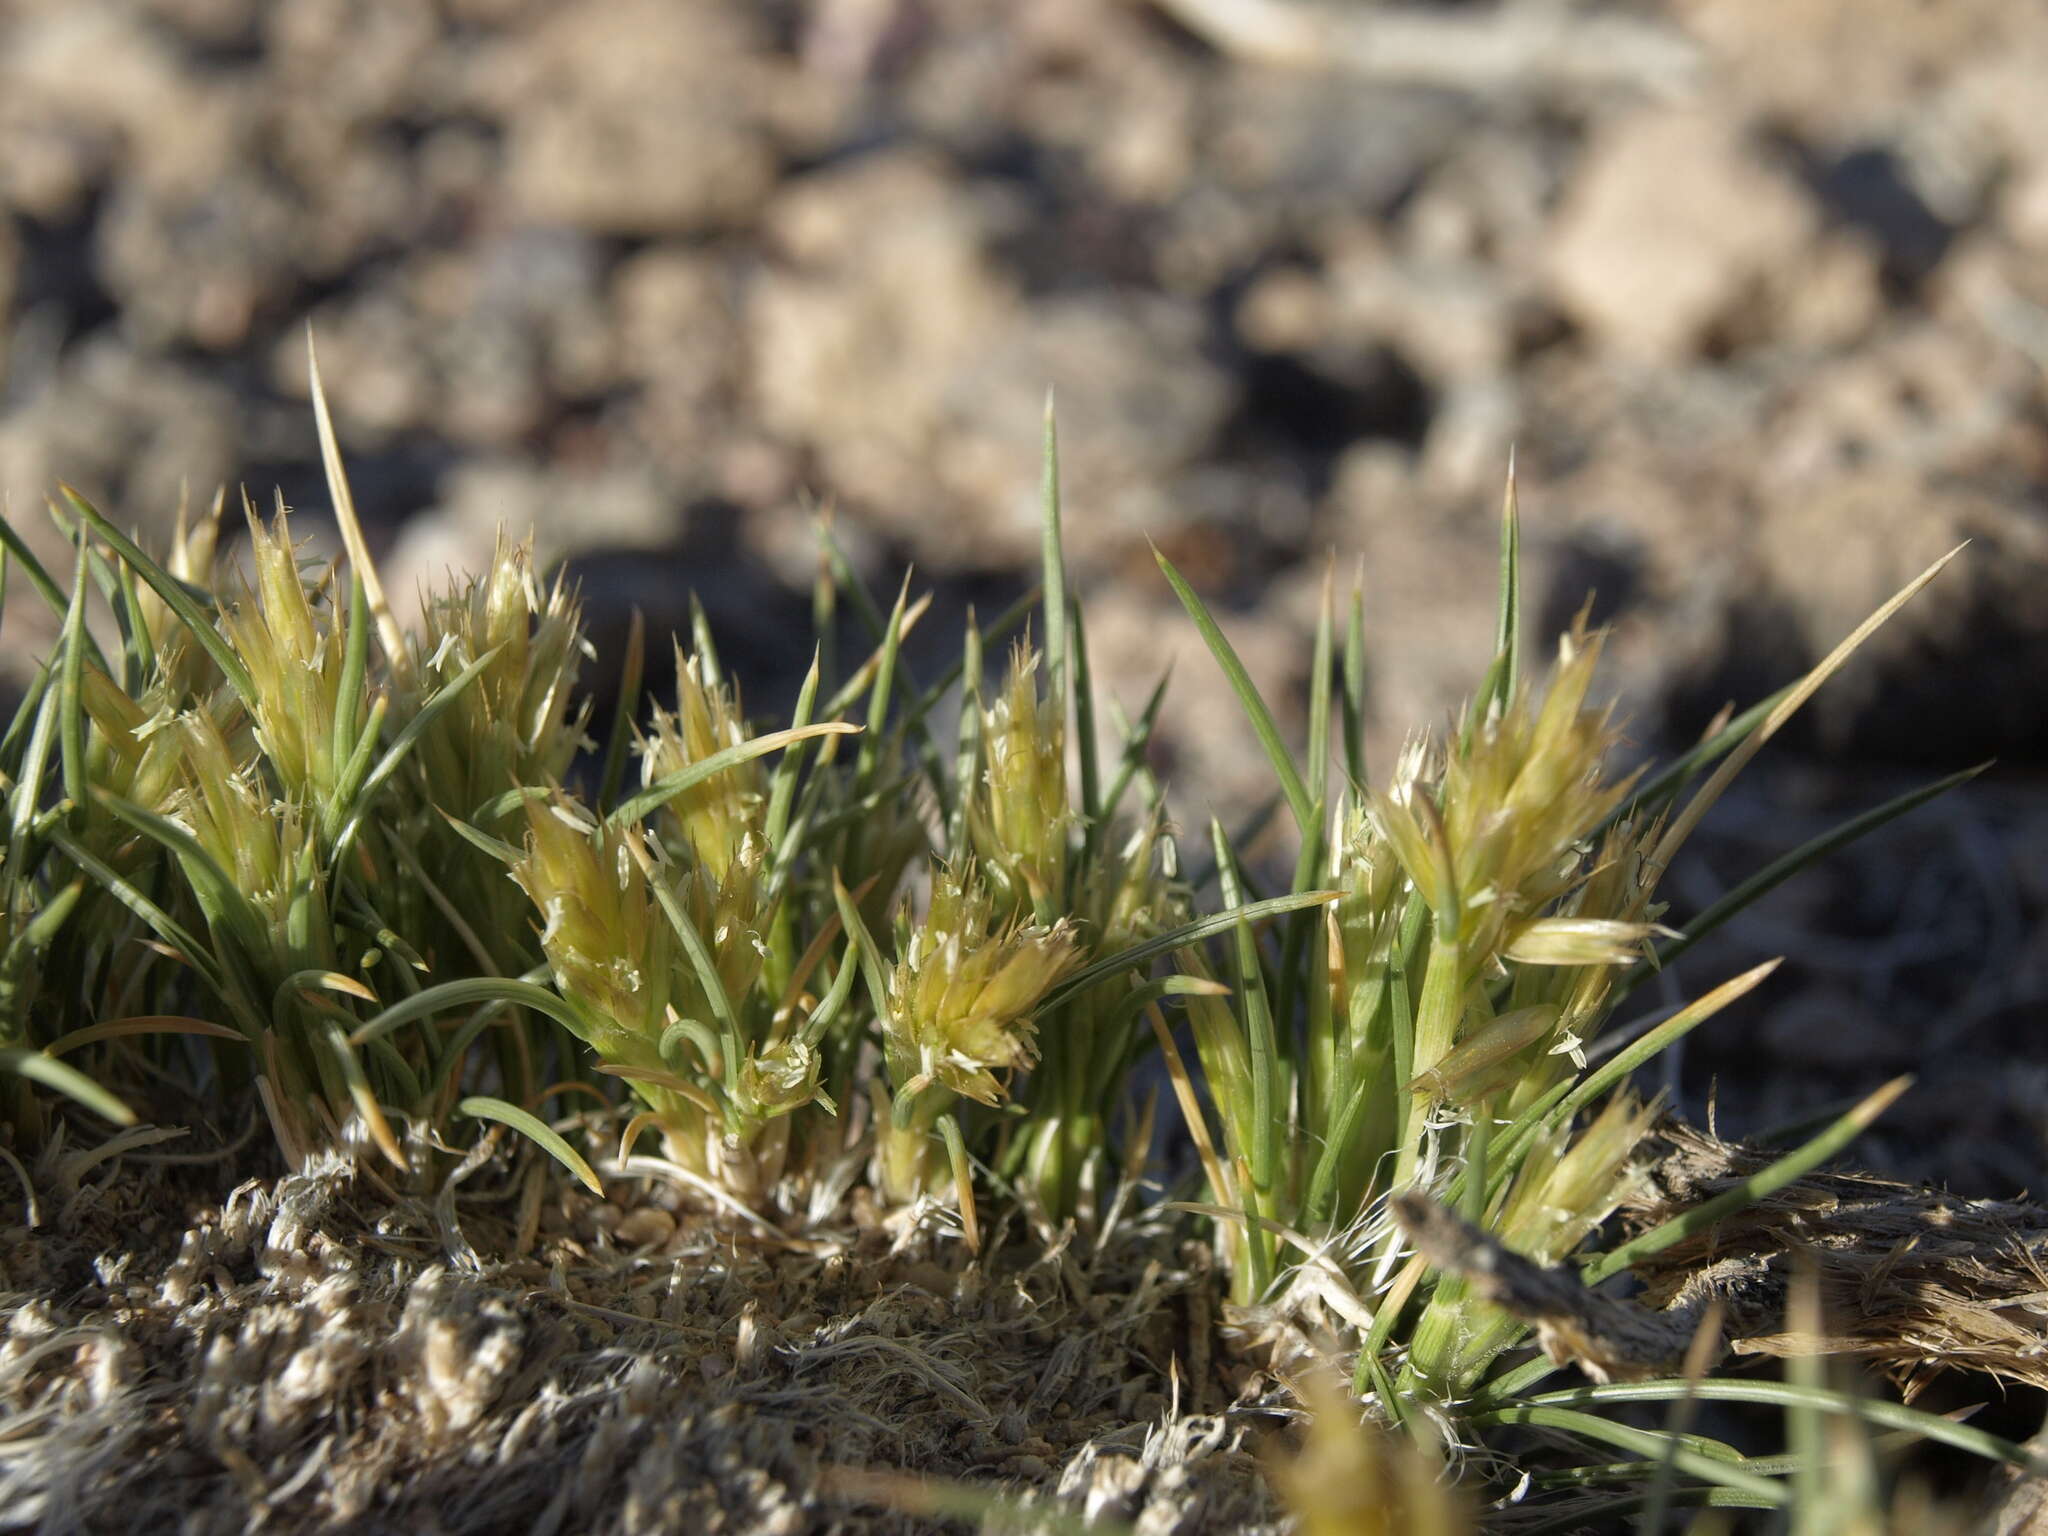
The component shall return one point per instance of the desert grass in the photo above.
(837, 996)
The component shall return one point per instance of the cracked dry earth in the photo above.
(313, 1352)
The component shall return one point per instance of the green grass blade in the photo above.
(400, 748)
(470, 992)
(215, 887)
(1354, 683)
(887, 634)
(1322, 1185)
(357, 1086)
(1001, 628)
(1255, 1013)
(138, 647)
(27, 791)
(1781, 869)
(173, 591)
(872, 966)
(1668, 782)
(705, 646)
(1721, 1465)
(1758, 1186)
(1298, 799)
(631, 675)
(1052, 559)
(534, 1129)
(42, 929)
(160, 922)
(1690, 815)
(348, 785)
(701, 961)
(1886, 1415)
(967, 754)
(70, 696)
(1085, 744)
(783, 785)
(1320, 675)
(397, 658)
(505, 853)
(870, 753)
(62, 1077)
(1137, 741)
(349, 688)
(1178, 938)
(38, 577)
(26, 714)
(1566, 1099)
(661, 791)
(1508, 637)
(826, 1014)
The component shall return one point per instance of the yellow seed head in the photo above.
(295, 652)
(961, 996)
(711, 819)
(1020, 816)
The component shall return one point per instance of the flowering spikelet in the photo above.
(186, 668)
(1501, 837)
(601, 932)
(1560, 1194)
(714, 818)
(295, 654)
(1563, 1192)
(1496, 838)
(517, 723)
(960, 998)
(619, 957)
(135, 756)
(1020, 816)
(258, 841)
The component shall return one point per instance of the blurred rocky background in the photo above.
(1758, 289)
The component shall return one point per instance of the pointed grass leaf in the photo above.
(182, 943)
(1747, 1192)
(632, 675)
(357, 1085)
(1261, 718)
(61, 1077)
(395, 755)
(71, 721)
(1783, 868)
(1181, 937)
(177, 597)
(535, 1130)
(504, 852)
(469, 992)
(141, 1024)
(1722, 1466)
(1566, 1099)
(1689, 816)
(349, 687)
(1052, 559)
(1886, 1415)
(38, 575)
(663, 790)
(397, 658)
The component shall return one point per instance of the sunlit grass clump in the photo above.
(383, 872)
